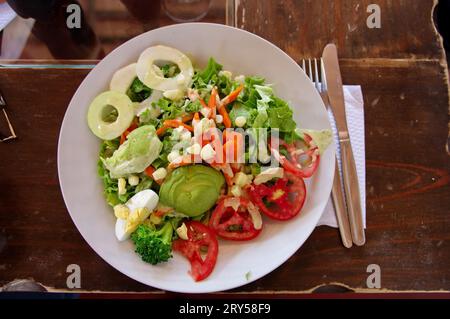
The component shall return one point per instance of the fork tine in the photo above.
(303, 65)
(310, 70)
(316, 76)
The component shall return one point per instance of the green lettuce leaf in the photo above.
(322, 138)
(213, 68)
(192, 107)
(265, 93)
(140, 149)
(281, 118)
(138, 91)
(240, 109)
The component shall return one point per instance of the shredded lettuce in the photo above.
(168, 144)
(170, 109)
(147, 118)
(110, 189)
(192, 107)
(240, 109)
(213, 68)
(265, 93)
(281, 118)
(170, 70)
(138, 91)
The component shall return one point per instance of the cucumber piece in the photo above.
(123, 78)
(102, 111)
(154, 79)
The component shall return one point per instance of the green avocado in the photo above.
(192, 190)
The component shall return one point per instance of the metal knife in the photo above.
(350, 178)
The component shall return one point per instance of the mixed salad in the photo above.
(192, 155)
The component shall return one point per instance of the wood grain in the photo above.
(303, 28)
(408, 169)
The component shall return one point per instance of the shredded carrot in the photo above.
(212, 103)
(196, 116)
(174, 124)
(226, 117)
(161, 130)
(232, 96)
(187, 118)
(186, 160)
(233, 146)
(202, 102)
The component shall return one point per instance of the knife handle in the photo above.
(341, 211)
(351, 187)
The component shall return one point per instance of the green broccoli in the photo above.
(152, 244)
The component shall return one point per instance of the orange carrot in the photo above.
(212, 103)
(226, 117)
(187, 118)
(232, 96)
(202, 102)
(161, 130)
(176, 123)
(186, 160)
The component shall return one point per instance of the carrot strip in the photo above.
(176, 123)
(212, 103)
(187, 118)
(202, 102)
(232, 96)
(161, 130)
(226, 117)
(186, 160)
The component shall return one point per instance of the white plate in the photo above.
(242, 53)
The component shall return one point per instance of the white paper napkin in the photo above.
(354, 109)
(6, 15)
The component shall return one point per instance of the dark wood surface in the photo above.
(404, 80)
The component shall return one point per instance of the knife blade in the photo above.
(350, 178)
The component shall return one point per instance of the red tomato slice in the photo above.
(303, 157)
(232, 224)
(133, 126)
(282, 200)
(200, 238)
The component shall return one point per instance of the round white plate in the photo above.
(242, 53)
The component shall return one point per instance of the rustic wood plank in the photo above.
(409, 231)
(303, 28)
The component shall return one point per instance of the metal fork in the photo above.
(311, 68)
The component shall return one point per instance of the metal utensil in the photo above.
(11, 129)
(336, 192)
(333, 82)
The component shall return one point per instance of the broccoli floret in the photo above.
(152, 244)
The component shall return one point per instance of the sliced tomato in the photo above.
(302, 157)
(200, 238)
(281, 201)
(133, 126)
(232, 219)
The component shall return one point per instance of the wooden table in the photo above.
(404, 78)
